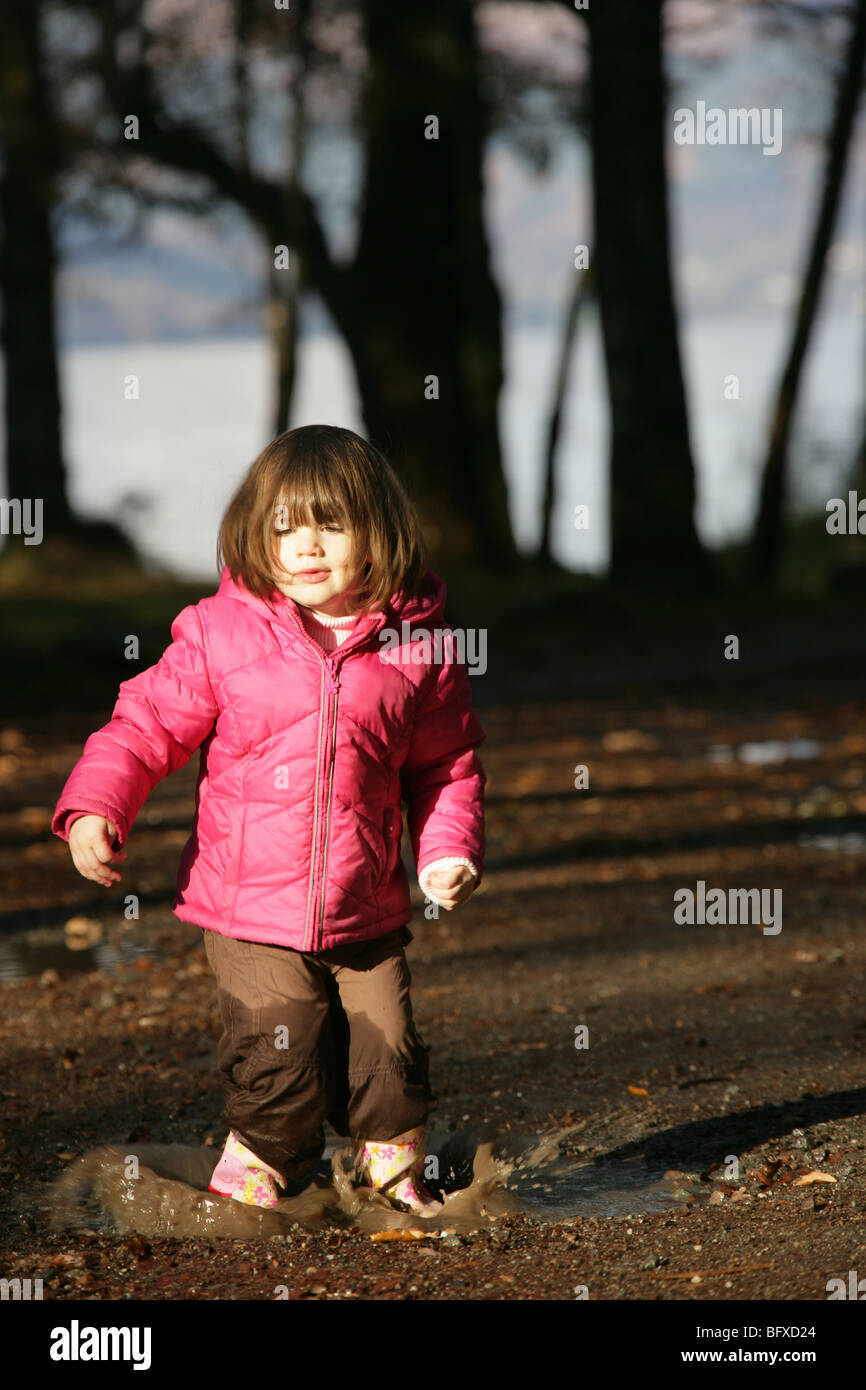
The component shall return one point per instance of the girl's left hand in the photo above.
(452, 886)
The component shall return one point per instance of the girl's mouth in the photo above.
(312, 576)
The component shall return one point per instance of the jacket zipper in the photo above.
(335, 684)
(331, 678)
(311, 889)
(331, 681)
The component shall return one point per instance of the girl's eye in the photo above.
(329, 526)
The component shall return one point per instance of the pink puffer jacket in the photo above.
(305, 756)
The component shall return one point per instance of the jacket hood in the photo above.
(427, 606)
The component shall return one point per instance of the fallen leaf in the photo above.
(814, 1176)
(637, 1091)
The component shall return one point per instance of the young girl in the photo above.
(315, 685)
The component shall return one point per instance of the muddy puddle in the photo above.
(28, 953)
(160, 1190)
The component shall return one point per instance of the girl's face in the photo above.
(318, 559)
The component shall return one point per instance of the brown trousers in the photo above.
(309, 1037)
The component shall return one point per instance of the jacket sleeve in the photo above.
(161, 716)
(442, 777)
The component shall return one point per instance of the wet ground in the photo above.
(628, 1105)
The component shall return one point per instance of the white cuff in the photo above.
(448, 862)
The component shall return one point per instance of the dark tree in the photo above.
(34, 457)
(581, 291)
(423, 298)
(768, 536)
(654, 538)
(35, 154)
(418, 299)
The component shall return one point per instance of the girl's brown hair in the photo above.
(324, 474)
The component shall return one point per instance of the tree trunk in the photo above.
(654, 538)
(581, 290)
(282, 309)
(418, 301)
(34, 454)
(767, 541)
(281, 316)
(423, 301)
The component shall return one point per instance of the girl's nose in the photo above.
(307, 540)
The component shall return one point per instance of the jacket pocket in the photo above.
(233, 857)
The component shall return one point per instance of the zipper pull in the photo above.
(333, 676)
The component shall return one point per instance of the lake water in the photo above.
(166, 464)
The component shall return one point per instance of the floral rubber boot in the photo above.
(246, 1178)
(396, 1170)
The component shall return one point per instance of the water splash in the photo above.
(163, 1192)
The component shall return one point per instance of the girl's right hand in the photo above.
(90, 846)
